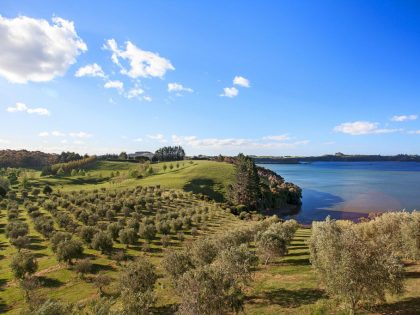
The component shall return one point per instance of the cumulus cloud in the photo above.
(35, 50)
(244, 143)
(147, 98)
(241, 81)
(177, 87)
(230, 92)
(92, 70)
(114, 85)
(358, 128)
(141, 63)
(401, 118)
(21, 107)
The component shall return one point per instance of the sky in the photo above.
(217, 77)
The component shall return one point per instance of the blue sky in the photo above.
(266, 77)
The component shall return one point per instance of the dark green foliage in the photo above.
(138, 276)
(169, 154)
(47, 190)
(246, 190)
(69, 250)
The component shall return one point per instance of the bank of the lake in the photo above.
(352, 189)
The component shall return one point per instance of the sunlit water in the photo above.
(350, 190)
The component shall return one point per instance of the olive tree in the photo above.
(352, 268)
(23, 264)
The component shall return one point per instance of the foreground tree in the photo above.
(351, 268)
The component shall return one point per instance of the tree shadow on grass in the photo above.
(96, 268)
(412, 274)
(294, 262)
(165, 309)
(291, 298)
(409, 306)
(204, 186)
(3, 307)
(50, 282)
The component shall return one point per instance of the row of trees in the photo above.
(361, 263)
(34, 159)
(67, 168)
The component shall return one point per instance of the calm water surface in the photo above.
(350, 190)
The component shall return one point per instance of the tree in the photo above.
(83, 267)
(138, 276)
(23, 264)
(273, 242)
(209, 290)
(138, 303)
(103, 242)
(123, 156)
(164, 167)
(128, 236)
(148, 232)
(175, 153)
(86, 233)
(51, 307)
(176, 263)
(47, 190)
(69, 250)
(351, 268)
(58, 238)
(4, 186)
(29, 284)
(60, 171)
(101, 281)
(246, 190)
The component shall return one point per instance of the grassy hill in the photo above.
(206, 177)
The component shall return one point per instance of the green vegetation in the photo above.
(124, 238)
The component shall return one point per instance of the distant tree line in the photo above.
(67, 168)
(175, 153)
(34, 159)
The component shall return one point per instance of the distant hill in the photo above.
(338, 157)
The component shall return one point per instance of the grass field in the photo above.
(206, 177)
(287, 285)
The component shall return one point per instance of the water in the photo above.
(350, 190)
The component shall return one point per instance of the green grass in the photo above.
(206, 177)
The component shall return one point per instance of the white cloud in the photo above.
(358, 128)
(21, 107)
(114, 85)
(277, 138)
(80, 134)
(236, 143)
(134, 92)
(177, 87)
(92, 70)
(230, 92)
(142, 63)
(241, 81)
(58, 134)
(414, 132)
(158, 137)
(78, 142)
(35, 50)
(147, 98)
(401, 118)
(138, 140)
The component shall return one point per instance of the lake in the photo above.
(350, 190)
